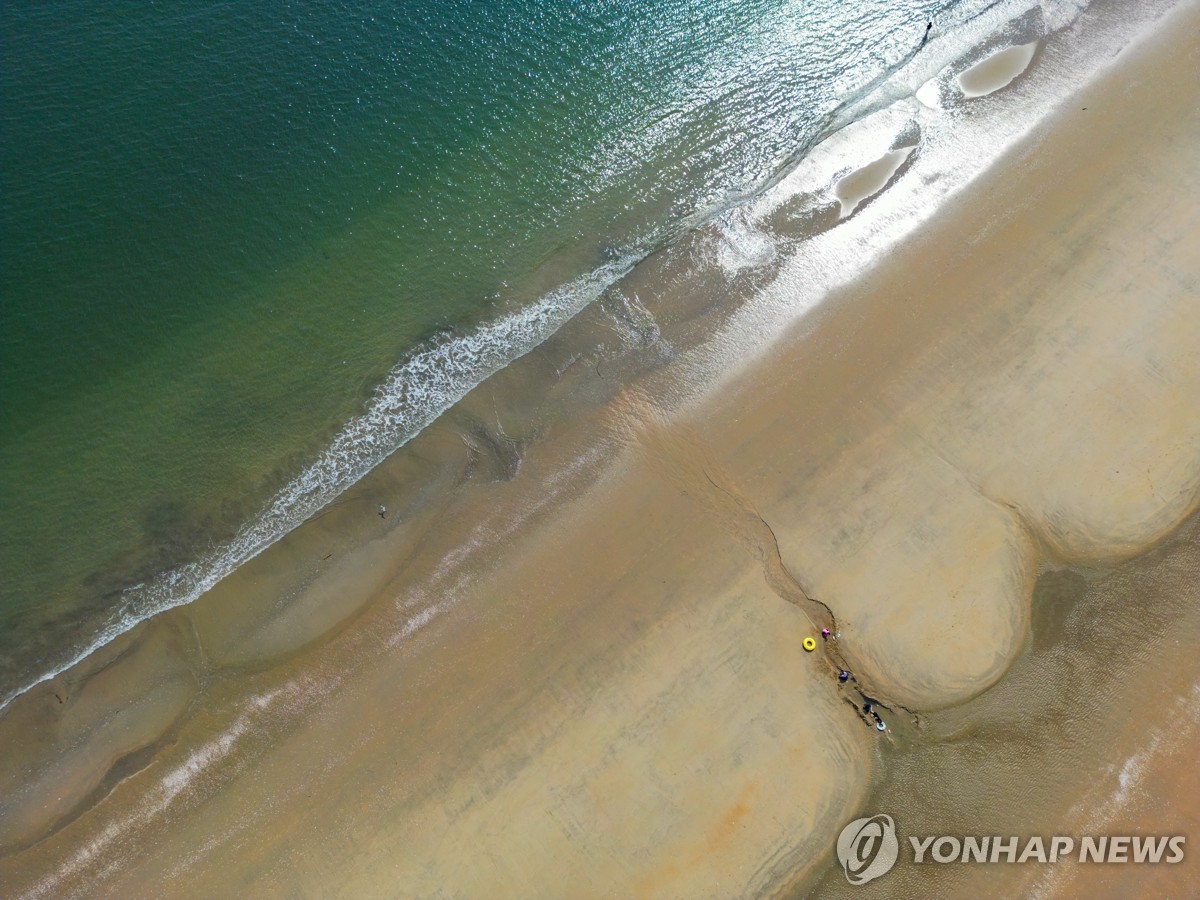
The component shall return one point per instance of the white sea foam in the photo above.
(744, 244)
(415, 392)
(957, 145)
(436, 376)
(429, 381)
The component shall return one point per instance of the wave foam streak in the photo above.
(419, 389)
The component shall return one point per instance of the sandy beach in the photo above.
(566, 658)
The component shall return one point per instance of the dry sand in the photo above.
(592, 684)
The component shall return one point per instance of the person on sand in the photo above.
(843, 676)
(382, 511)
(825, 634)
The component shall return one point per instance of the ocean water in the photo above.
(248, 250)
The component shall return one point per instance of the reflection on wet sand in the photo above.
(571, 653)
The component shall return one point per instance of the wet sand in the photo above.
(1091, 732)
(997, 71)
(580, 670)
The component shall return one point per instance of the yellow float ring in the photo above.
(809, 644)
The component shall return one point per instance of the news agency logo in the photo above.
(868, 848)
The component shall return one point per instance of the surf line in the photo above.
(449, 367)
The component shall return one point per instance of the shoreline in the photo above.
(635, 594)
(139, 576)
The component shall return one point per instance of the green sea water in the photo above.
(224, 224)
